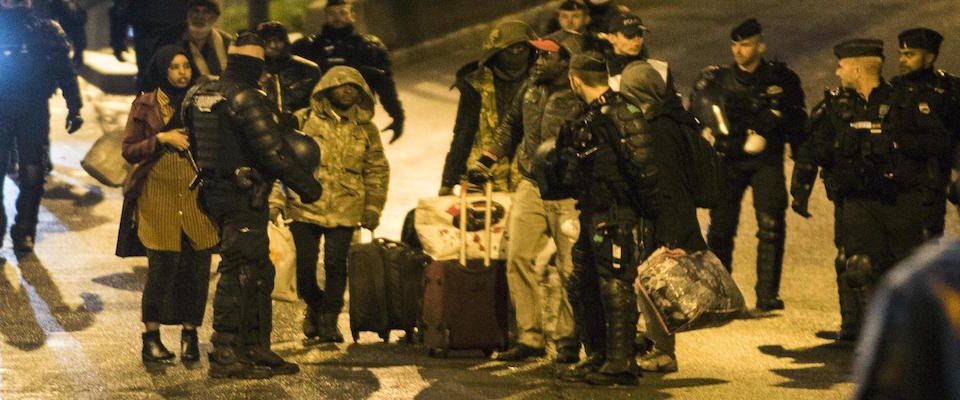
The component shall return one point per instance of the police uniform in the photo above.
(608, 159)
(932, 96)
(35, 60)
(842, 113)
(294, 76)
(365, 53)
(240, 152)
(758, 113)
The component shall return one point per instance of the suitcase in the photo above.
(386, 284)
(465, 302)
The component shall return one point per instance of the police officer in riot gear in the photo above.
(923, 88)
(607, 158)
(240, 151)
(291, 76)
(338, 43)
(35, 62)
(861, 102)
(752, 109)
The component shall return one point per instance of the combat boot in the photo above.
(153, 349)
(329, 331)
(22, 239)
(620, 310)
(229, 361)
(189, 346)
(263, 356)
(658, 361)
(568, 351)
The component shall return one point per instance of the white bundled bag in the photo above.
(283, 254)
(437, 222)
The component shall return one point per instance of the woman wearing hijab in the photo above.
(177, 236)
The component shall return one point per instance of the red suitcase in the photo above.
(465, 302)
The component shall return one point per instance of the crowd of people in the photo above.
(585, 129)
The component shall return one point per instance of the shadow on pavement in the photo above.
(67, 318)
(18, 324)
(833, 365)
(133, 281)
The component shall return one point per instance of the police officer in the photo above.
(862, 100)
(338, 43)
(762, 108)
(240, 152)
(35, 60)
(933, 92)
(294, 76)
(616, 199)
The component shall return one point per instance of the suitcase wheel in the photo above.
(437, 353)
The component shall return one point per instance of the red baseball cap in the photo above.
(548, 45)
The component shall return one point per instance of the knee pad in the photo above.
(859, 271)
(771, 227)
(31, 175)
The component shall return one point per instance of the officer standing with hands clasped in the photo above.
(607, 158)
(240, 151)
(761, 108)
(862, 100)
(935, 94)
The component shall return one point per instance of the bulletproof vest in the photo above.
(603, 185)
(215, 143)
(865, 150)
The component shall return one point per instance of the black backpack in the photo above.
(703, 166)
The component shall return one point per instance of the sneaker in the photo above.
(567, 355)
(658, 361)
(520, 352)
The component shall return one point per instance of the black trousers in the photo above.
(241, 305)
(886, 231)
(306, 237)
(177, 285)
(768, 182)
(25, 123)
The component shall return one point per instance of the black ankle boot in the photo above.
(189, 346)
(153, 350)
(329, 331)
(620, 311)
(22, 239)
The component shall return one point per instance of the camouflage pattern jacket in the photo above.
(353, 170)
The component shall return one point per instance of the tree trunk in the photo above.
(258, 11)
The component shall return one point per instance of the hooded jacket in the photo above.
(353, 170)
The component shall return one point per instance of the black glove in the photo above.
(799, 206)
(397, 127)
(74, 121)
(479, 172)
(370, 220)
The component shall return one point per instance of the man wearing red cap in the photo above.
(539, 111)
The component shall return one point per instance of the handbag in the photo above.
(283, 255)
(128, 240)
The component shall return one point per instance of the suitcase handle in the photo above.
(487, 220)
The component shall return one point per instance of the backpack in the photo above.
(703, 165)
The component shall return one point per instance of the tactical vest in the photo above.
(865, 150)
(214, 141)
(504, 171)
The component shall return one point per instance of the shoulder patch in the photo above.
(206, 102)
(632, 108)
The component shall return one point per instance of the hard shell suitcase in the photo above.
(386, 284)
(465, 302)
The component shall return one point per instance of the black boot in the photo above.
(520, 352)
(620, 310)
(189, 346)
(311, 322)
(568, 351)
(578, 372)
(769, 261)
(22, 239)
(329, 331)
(263, 356)
(228, 360)
(153, 349)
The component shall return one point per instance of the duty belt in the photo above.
(874, 127)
